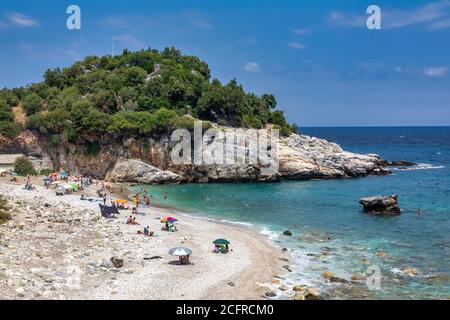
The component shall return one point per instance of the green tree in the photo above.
(32, 103)
(23, 167)
(10, 129)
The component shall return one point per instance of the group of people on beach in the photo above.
(146, 197)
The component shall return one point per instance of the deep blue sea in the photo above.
(325, 216)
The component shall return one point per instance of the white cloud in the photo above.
(300, 31)
(130, 40)
(436, 72)
(296, 45)
(55, 53)
(435, 15)
(443, 24)
(197, 20)
(342, 19)
(252, 67)
(22, 20)
(180, 21)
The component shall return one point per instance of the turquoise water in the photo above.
(326, 216)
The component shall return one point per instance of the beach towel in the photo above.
(108, 211)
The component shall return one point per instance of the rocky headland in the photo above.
(148, 160)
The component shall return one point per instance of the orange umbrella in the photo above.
(121, 201)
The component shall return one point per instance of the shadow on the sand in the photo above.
(179, 263)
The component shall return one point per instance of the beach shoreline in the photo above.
(244, 273)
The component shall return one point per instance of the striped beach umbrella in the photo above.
(168, 219)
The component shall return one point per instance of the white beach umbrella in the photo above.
(180, 251)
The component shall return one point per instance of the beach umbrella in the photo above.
(121, 201)
(221, 241)
(168, 219)
(180, 251)
(63, 174)
(67, 186)
(74, 185)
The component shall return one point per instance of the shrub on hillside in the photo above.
(23, 167)
(45, 172)
(4, 210)
(10, 129)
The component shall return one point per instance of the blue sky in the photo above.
(318, 58)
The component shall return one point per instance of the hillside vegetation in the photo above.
(133, 94)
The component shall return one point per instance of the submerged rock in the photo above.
(328, 274)
(312, 294)
(397, 163)
(298, 288)
(411, 271)
(381, 205)
(287, 233)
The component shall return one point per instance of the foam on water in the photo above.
(420, 166)
(271, 235)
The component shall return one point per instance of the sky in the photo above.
(319, 59)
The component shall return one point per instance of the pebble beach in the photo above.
(59, 247)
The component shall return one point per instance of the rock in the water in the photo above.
(312, 294)
(338, 279)
(132, 170)
(289, 268)
(328, 275)
(270, 294)
(118, 263)
(357, 277)
(298, 288)
(381, 205)
(298, 297)
(287, 233)
(397, 163)
(411, 271)
(283, 287)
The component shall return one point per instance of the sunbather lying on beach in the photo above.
(134, 222)
(130, 220)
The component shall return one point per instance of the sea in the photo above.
(401, 257)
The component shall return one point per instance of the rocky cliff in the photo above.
(148, 160)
